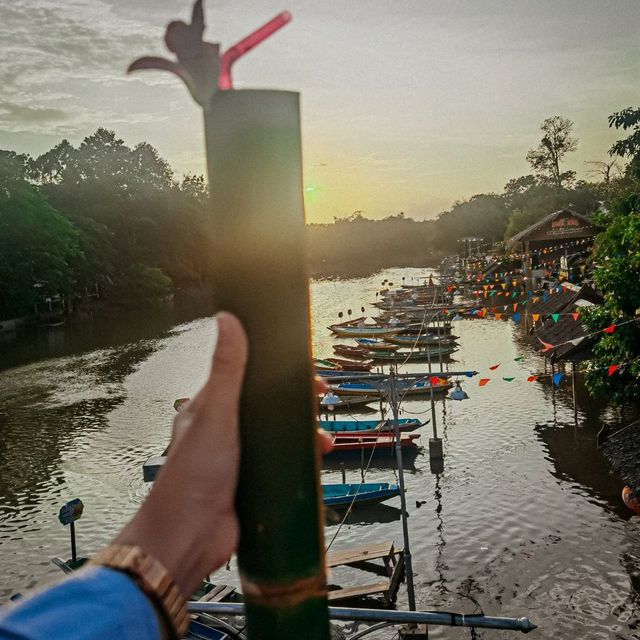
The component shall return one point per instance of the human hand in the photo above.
(188, 521)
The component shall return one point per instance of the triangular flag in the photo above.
(532, 378)
(546, 345)
(503, 285)
(469, 374)
(610, 329)
(485, 286)
(575, 316)
(434, 381)
(483, 381)
(557, 377)
(514, 283)
(612, 369)
(514, 293)
(508, 379)
(519, 359)
(516, 317)
(535, 300)
(494, 367)
(492, 293)
(515, 306)
(576, 341)
(555, 316)
(491, 286)
(535, 317)
(498, 316)
(485, 294)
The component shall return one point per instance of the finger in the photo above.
(319, 385)
(325, 441)
(221, 391)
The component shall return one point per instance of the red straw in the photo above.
(246, 44)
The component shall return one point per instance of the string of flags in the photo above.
(555, 377)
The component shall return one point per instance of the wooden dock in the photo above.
(393, 563)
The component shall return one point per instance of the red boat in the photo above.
(351, 352)
(344, 443)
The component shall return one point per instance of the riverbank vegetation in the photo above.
(109, 221)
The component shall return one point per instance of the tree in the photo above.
(556, 143)
(616, 274)
(38, 247)
(628, 118)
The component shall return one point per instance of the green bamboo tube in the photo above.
(255, 173)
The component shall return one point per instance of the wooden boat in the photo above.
(416, 355)
(349, 323)
(357, 353)
(379, 443)
(350, 401)
(368, 427)
(350, 365)
(344, 495)
(405, 387)
(325, 365)
(368, 331)
(375, 345)
(428, 339)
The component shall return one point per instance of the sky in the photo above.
(407, 105)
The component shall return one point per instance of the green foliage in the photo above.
(616, 274)
(137, 233)
(628, 118)
(38, 247)
(358, 245)
(533, 203)
(557, 141)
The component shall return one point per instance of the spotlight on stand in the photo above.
(457, 393)
(330, 401)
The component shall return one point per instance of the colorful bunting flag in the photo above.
(555, 316)
(508, 379)
(519, 358)
(494, 367)
(532, 378)
(575, 316)
(514, 283)
(503, 285)
(612, 369)
(515, 306)
(546, 345)
(610, 329)
(535, 317)
(483, 381)
(498, 316)
(516, 317)
(557, 377)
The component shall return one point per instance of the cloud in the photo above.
(9, 111)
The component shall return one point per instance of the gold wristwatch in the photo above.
(153, 579)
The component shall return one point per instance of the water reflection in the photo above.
(522, 518)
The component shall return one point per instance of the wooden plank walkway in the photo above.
(393, 565)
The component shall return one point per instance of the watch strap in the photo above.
(153, 580)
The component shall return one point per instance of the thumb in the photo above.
(221, 391)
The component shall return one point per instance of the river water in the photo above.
(525, 518)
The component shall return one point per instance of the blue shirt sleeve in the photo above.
(94, 604)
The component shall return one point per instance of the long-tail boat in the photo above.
(379, 443)
(350, 365)
(369, 427)
(375, 345)
(368, 331)
(344, 495)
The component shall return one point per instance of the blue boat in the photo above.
(343, 495)
(369, 426)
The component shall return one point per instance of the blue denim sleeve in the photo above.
(93, 604)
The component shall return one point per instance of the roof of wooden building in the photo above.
(568, 336)
(559, 225)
